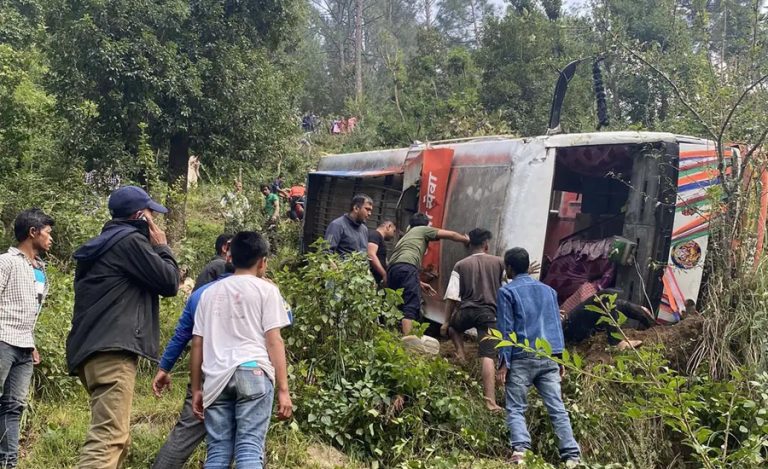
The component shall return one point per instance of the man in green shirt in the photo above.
(271, 214)
(403, 271)
(271, 205)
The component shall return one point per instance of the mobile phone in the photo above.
(140, 216)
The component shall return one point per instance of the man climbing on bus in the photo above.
(403, 271)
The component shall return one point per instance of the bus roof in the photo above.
(391, 161)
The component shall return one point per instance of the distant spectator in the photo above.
(23, 288)
(236, 209)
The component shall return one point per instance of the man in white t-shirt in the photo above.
(238, 348)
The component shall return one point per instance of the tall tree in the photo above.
(203, 74)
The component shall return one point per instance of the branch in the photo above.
(751, 151)
(735, 106)
(674, 86)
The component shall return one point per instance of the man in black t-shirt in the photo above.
(377, 250)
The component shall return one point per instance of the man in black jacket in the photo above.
(119, 277)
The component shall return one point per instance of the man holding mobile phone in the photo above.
(119, 278)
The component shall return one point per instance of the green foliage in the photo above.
(357, 387)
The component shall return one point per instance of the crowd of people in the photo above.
(233, 318)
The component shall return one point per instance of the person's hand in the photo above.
(284, 405)
(197, 405)
(383, 281)
(427, 289)
(161, 382)
(501, 374)
(156, 235)
(534, 268)
(562, 372)
(35, 356)
(444, 329)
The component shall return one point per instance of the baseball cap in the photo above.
(126, 200)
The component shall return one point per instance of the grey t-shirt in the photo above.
(346, 236)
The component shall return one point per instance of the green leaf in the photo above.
(594, 309)
(496, 333)
(543, 345)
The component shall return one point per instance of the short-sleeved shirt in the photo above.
(376, 238)
(412, 246)
(269, 205)
(233, 317)
(297, 192)
(346, 236)
(475, 281)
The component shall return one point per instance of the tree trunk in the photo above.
(359, 52)
(428, 13)
(475, 22)
(176, 201)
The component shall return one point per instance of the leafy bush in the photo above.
(358, 388)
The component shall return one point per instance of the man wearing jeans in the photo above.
(529, 309)
(188, 431)
(23, 286)
(238, 349)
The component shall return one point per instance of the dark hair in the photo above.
(247, 248)
(386, 222)
(28, 219)
(418, 219)
(517, 259)
(221, 241)
(359, 200)
(479, 236)
(266, 186)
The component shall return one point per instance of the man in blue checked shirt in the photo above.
(529, 308)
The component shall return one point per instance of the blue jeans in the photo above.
(545, 375)
(238, 420)
(15, 375)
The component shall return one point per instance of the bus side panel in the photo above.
(690, 235)
(526, 212)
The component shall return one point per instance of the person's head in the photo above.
(133, 203)
(479, 239)
(249, 251)
(265, 189)
(418, 219)
(690, 306)
(222, 244)
(517, 261)
(238, 185)
(360, 208)
(33, 227)
(387, 230)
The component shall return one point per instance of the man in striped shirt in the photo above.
(23, 286)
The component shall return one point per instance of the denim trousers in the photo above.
(544, 374)
(238, 420)
(15, 375)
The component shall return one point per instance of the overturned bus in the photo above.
(623, 209)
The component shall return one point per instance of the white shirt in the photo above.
(233, 317)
